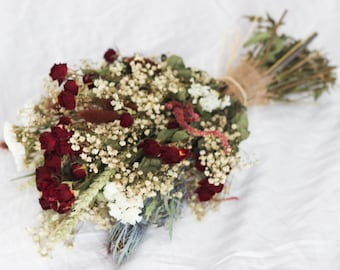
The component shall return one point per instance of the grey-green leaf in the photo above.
(179, 135)
(257, 37)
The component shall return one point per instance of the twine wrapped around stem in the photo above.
(248, 84)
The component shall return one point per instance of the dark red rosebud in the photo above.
(48, 200)
(206, 190)
(44, 203)
(64, 148)
(71, 87)
(52, 161)
(110, 55)
(58, 72)
(88, 78)
(58, 197)
(204, 194)
(126, 120)
(44, 178)
(151, 148)
(43, 184)
(47, 141)
(65, 197)
(172, 124)
(61, 134)
(170, 155)
(64, 120)
(78, 171)
(198, 164)
(67, 100)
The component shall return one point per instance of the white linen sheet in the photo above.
(288, 215)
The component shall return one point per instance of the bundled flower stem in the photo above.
(275, 66)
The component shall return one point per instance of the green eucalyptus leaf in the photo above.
(241, 120)
(258, 37)
(184, 73)
(165, 134)
(175, 62)
(179, 135)
(182, 95)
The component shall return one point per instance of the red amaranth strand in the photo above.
(185, 113)
(227, 199)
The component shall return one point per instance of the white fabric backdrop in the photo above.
(288, 215)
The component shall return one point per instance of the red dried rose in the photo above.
(78, 171)
(126, 120)
(64, 120)
(47, 141)
(206, 190)
(52, 161)
(44, 178)
(65, 197)
(170, 155)
(61, 134)
(64, 148)
(58, 197)
(110, 55)
(151, 148)
(58, 72)
(66, 100)
(72, 87)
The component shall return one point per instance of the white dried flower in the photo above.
(122, 208)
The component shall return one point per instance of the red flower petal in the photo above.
(67, 100)
(52, 161)
(61, 134)
(64, 120)
(58, 72)
(170, 155)
(43, 178)
(47, 141)
(151, 148)
(204, 194)
(126, 120)
(71, 86)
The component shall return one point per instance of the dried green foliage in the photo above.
(292, 66)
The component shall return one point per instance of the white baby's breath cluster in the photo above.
(217, 164)
(122, 208)
(208, 99)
